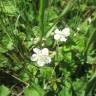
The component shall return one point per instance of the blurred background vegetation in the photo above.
(25, 24)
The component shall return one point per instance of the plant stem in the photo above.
(41, 17)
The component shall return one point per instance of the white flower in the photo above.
(89, 20)
(41, 56)
(62, 35)
(57, 35)
(66, 32)
(78, 29)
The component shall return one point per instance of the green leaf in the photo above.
(51, 13)
(3, 61)
(7, 43)
(4, 91)
(66, 91)
(46, 72)
(30, 92)
(8, 7)
(24, 76)
(35, 90)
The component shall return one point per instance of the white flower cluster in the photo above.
(61, 35)
(41, 56)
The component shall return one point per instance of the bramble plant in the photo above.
(47, 48)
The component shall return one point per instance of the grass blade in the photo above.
(41, 17)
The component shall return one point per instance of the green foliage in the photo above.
(28, 24)
(33, 91)
(4, 91)
(66, 90)
(91, 86)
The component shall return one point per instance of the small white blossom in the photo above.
(78, 29)
(41, 56)
(89, 20)
(62, 35)
(66, 32)
(57, 35)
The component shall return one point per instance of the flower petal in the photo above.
(46, 59)
(36, 50)
(66, 32)
(40, 63)
(56, 36)
(49, 60)
(57, 31)
(34, 57)
(63, 39)
(45, 51)
(89, 20)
